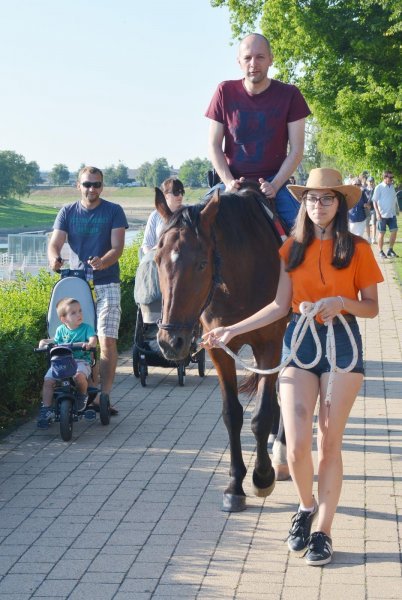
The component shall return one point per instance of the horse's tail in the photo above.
(248, 384)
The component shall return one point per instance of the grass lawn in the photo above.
(18, 214)
(131, 197)
(38, 210)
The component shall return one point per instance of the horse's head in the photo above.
(186, 266)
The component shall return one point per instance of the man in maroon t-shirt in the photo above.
(259, 119)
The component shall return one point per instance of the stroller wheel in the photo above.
(181, 372)
(136, 362)
(104, 409)
(66, 419)
(143, 374)
(201, 362)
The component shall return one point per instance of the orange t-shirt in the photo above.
(315, 278)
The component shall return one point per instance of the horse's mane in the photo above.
(236, 216)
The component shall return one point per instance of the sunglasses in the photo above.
(179, 193)
(88, 184)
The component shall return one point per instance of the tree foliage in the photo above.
(160, 170)
(152, 174)
(113, 175)
(193, 172)
(16, 175)
(345, 57)
(59, 175)
(143, 173)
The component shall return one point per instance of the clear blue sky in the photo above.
(98, 82)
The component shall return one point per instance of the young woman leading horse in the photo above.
(219, 262)
(321, 263)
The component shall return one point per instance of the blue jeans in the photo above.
(286, 206)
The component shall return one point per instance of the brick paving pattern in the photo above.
(132, 511)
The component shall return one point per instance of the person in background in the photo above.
(320, 262)
(357, 214)
(260, 121)
(173, 191)
(371, 226)
(95, 230)
(386, 208)
(363, 179)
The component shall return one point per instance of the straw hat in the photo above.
(327, 179)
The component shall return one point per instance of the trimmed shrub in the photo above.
(128, 268)
(23, 308)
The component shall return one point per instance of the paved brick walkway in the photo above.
(132, 511)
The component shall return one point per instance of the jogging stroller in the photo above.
(146, 351)
(72, 284)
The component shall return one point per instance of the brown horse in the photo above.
(218, 262)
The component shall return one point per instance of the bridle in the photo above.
(215, 281)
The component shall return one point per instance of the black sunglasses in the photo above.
(178, 193)
(89, 184)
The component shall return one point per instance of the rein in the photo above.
(308, 311)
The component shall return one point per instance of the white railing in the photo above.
(11, 264)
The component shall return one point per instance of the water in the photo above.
(9, 273)
(131, 235)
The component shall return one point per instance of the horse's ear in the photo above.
(209, 212)
(161, 205)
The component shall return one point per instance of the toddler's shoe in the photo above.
(45, 417)
(81, 402)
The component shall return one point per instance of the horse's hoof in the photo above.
(282, 472)
(263, 491)
(233, 503)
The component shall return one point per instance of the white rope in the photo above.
(308, 311)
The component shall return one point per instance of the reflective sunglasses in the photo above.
(89, 184)
(326, 200)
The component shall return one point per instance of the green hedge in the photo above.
(23, 310)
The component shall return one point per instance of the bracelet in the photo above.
(343, 304)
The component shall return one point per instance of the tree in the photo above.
(143, 175)
(16, 175)
(345, 58)
(59, 175)
(113, 175)
(122, 173)
(159, 171)
(193, 172)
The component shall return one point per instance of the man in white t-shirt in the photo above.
(386, 208)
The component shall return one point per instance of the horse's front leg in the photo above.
(261, 425)
(234, 498)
